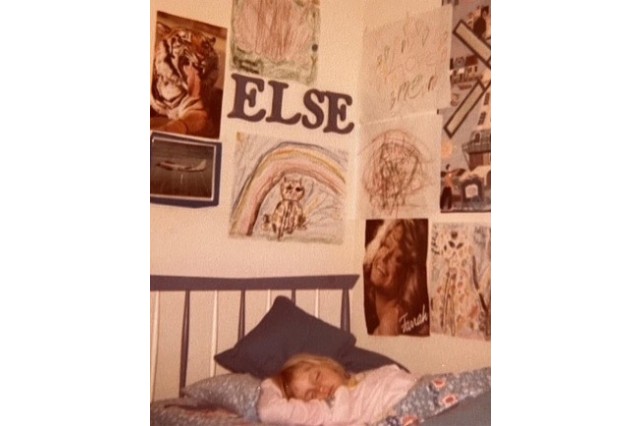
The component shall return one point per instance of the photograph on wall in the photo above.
(184, 170)
(276, 39)
(398, 164)
(460, 280)
(288, 191)
(396, 298)
(466, 136)
(187, 81)
(405, 66)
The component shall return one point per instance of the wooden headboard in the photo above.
(163, 283)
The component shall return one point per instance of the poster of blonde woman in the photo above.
(395, 277)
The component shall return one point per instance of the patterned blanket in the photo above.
(430, 396)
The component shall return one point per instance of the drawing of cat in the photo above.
(288, 214)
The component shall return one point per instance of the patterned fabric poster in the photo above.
(460, 280)
(466, 135)
(395, 277)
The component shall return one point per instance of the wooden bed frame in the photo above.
(162, 283)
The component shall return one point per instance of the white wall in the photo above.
(195, 242)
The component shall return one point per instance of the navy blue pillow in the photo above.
(284, 331)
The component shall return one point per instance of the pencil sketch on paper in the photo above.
(286, 190)
(405, 66)
(460, 284)
(396, 173)
(276, 38)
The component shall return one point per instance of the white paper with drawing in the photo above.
(399, 167)
(286, 190)
(405, 66)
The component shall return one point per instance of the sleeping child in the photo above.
(314, 390)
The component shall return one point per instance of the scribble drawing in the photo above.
(460, 285)
(395, 171)
(405, 65)
(276, 38)
(288, 191)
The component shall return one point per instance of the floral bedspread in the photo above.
(189, 412)
(430, 396)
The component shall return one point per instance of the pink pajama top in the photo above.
(375, 393)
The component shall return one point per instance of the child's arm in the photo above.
(273, 407)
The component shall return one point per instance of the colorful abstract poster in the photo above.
(286, 190)
(460, 280)
(466, 143)
(395, 277)
(276, 39)
(398, 163)
(188, 77)
(405, 66)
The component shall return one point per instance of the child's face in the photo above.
(316, 382)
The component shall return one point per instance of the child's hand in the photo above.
(401, 421)
(409, 420)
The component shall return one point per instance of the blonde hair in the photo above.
(302, 362)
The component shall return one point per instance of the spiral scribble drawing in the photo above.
(395, 171)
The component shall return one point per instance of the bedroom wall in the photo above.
(196, 242)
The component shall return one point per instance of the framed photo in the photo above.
(185, 171)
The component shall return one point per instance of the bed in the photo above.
(230, 397)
